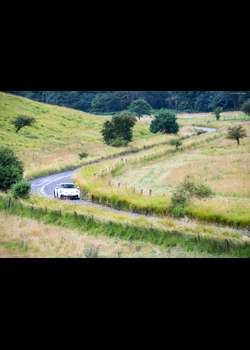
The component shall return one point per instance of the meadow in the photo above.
(213, 160)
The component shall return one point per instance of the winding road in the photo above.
(45, 185)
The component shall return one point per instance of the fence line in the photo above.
(92, 220)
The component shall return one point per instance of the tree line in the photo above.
(115, 101)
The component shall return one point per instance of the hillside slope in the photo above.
(59, 135)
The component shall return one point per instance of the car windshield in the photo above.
(67, 186)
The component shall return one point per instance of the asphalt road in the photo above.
(45, 185)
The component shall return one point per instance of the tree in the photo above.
(236, 133)
(165, 121)
(217, 112)
(22, 121)
(140, 107)
(246, 107)
(11, 168)
(117, 132)
(175, 142)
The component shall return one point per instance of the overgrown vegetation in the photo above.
(188, 190)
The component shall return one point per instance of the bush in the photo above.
(11, 168)
(189, 189)
(246, 107)
(176, 143)
(21, 190)
(83, 155)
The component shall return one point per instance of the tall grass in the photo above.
(165, 238)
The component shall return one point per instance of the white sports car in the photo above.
(70, 191)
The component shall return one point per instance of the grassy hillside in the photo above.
(60, 134)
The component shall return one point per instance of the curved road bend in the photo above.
(45, 185)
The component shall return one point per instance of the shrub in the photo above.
(11, 168)
(246, 107)
(83, 155)
(189, 189)
(21, 190)
(176, 143)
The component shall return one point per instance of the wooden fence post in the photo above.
(92, 218)
(134, 189)
(150, 193)
(9, 203)
(119, 185)
(141, 192)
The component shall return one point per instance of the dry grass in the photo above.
(47, 241)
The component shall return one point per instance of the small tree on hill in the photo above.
(22, 121)
(140, 107)
(236, 133)
(117, 132)
(165, 121)
(217, 112)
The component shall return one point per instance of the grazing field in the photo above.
(213, 160)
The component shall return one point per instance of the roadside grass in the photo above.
(212, 159)
(118, 232)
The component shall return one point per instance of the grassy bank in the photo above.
(132, 234)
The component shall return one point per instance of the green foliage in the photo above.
(187, 190)
(246, 107)
(165, 121)
(117, 132)
(11, 168)
(83, 155)
(176, 143)
(21, 190)
(22, 121)
(236, 133)
(217, 112)
(140, 107)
